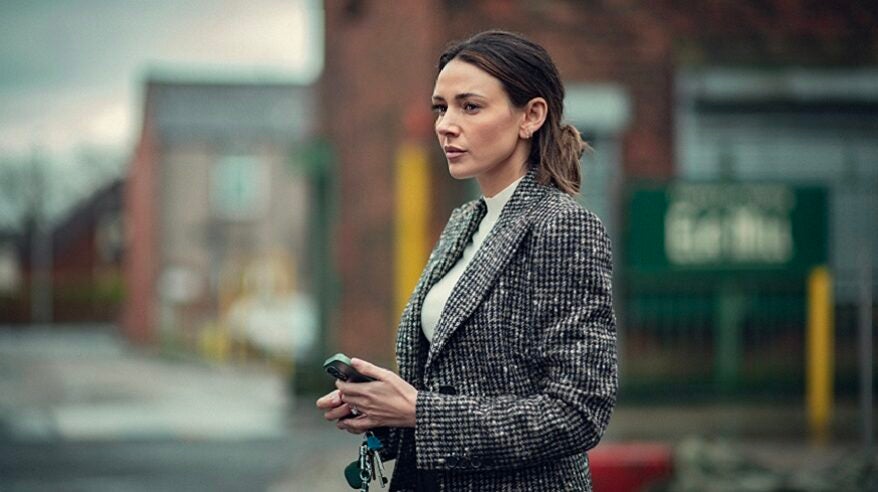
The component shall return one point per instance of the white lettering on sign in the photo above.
(730, 225)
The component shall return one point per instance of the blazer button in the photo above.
(452, 461)
(447, 390)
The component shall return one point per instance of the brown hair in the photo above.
(526, 71)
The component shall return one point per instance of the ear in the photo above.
(535, 112)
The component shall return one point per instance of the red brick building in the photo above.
(85, 260)
(622, 62)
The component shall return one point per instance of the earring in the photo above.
(527, 135)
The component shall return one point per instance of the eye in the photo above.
(439, 108)
(470, 107)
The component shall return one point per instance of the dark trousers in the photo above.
(427, 481)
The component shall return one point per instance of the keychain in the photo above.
(368, 465)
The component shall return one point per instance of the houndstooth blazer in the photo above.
(520, 379)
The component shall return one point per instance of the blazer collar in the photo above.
(491, 258)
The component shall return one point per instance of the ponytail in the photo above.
(556, 153)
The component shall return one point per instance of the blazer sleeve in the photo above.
(576, 331)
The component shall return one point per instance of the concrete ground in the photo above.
(80, 410)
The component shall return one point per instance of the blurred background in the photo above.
(202, 200)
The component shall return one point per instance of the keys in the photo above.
(368, 466)
(374, 444)
(382, 479)
(366, 470)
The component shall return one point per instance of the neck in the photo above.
(497, 180)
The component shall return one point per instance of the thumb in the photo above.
(369, 369)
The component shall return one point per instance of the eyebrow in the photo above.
(460, 96)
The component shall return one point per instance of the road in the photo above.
(81, 411)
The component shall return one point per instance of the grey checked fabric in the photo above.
(521, 377)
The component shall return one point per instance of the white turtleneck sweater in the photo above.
(436, 298)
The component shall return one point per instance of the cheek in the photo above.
(497, 135)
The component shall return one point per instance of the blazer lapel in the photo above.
(445, 255)
(459, 236)
(489, 261)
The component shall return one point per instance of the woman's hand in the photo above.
(389, 401)
(335, 408)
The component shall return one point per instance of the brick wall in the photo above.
(377, 76)
(139, 319)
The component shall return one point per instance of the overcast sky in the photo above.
(71, 71)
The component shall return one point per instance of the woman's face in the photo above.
(478, 127)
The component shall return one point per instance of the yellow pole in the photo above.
(412, 219)
(819, 354)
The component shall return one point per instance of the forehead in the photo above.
(460, 77)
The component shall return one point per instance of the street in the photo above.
(165, 464)
(80, 411)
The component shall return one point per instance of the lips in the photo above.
(452, 152)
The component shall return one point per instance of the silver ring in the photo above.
(355, 410)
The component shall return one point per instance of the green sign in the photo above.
(726, 226)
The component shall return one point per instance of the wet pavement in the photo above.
(80, 410)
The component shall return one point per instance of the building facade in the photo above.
(217, 206)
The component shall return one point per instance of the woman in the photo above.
(506, 349)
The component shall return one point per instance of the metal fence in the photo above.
(707, 337)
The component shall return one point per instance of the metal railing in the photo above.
(705, 337)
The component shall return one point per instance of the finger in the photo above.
(368, 369)
(330, 400)
(357, 425)
(356, 401)
(348, 389)
(338, 412)
(344, 387)
(346, 426)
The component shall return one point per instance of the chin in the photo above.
(462, 171)
(458, 172)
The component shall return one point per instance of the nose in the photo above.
(446, 127)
